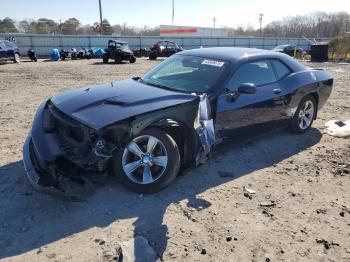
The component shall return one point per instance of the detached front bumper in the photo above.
(40, 151)
(32, 171)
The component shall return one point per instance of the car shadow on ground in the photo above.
(26, 213)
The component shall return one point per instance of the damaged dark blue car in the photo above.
(145, 129)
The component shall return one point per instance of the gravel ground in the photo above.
(204, 215)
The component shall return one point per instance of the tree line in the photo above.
(318, 24)
(71, 26)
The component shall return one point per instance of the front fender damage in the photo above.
(197, 116)
(94, 153)
(204, 126)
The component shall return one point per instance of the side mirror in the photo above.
(247, 88)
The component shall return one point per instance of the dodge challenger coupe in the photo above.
(145, 129)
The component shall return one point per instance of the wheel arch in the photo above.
(184, 136)
(178, 121)
(316, 97)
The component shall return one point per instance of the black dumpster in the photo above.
(319, 53)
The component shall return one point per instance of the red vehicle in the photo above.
(164, 48)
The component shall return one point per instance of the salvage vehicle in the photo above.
(164, 48)
(73, 54)
(9, 51)
(64, 54)
(32, 55)
(289, 49)
(146, 129)
(85, 53)
(118, 51)
(141, 52)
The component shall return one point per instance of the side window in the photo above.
(9, 44)
(281, 69)
(257, 73)
(171, 46)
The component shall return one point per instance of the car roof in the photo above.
(285, 45)
(117, 41)
(168, 41)
(238, 55)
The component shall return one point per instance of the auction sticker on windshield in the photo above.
(213, 63)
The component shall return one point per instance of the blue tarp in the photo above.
(55, 54)
(97, 51)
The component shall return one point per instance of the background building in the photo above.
(174, 30)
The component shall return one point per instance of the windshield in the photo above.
(280, 47)
(120, 45)
(123, 46)
(189, 74)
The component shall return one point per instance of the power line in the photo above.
(214, 21)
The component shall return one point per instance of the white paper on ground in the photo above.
(338, 128)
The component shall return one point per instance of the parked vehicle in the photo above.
(73, 54)
(291, 50)
(164, 48)
(118, 51)
(141, 52)
(85, 53)
(32, 56)
(9, 51)
(143, 130)
(64, 54)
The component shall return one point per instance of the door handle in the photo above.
(277, 91)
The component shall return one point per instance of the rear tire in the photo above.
(16, 58)
(132, 60)
(152, 56)
(304, 115)
(162, 171)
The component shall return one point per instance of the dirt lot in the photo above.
(204, 215)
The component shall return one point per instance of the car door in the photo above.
(10, 50)
(3, 53)
(241, 116)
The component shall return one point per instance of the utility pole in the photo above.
(101, 30)
(173, 13)
(214, 21)
(260, 21)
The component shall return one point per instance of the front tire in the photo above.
(16, 58)
(149, 163)
(105, 58)
(305, 115)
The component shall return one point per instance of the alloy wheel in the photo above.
(144, 159)
(306, 115)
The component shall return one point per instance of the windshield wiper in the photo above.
(155, 84)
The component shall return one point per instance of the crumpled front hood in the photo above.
(102, 105)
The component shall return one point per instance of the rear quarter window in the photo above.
(281, 69)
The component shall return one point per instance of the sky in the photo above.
(230, 13)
